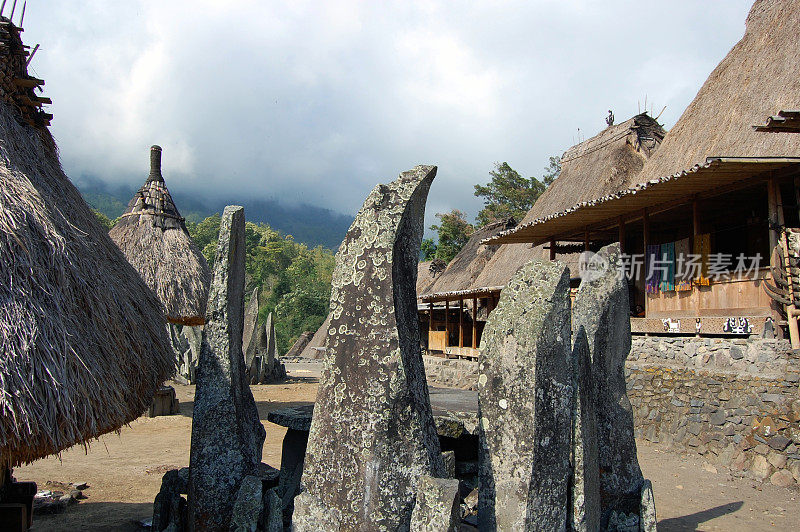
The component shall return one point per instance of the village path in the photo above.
(124, 472)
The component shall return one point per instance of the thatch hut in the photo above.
(722, 185)
(83, 343)
(153, 236)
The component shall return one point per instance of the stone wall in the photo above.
(734, 401)
(451, 373)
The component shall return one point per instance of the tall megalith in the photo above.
(602, 309)
(525, 400)
(227, 435)
(372, 435)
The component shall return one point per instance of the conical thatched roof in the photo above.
(84, 347)
(153, 236)
(758, 78)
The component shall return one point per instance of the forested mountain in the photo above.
(313, 226)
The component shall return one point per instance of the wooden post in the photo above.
(552, 250)
(695, 233)
(621, 234)
(586, 239)
(430, 322)
(474, 322)
(446, 323)
(791, 309)
(772, 216)
(646, 239)
(461, 322)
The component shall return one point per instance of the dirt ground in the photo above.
(124, 474)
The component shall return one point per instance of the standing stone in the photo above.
(525, 403)
(250, 332)
(194, 337)
(647, 509)
(437, 508)
(227, 435)
(602, 308)
(249, 506)
(372, 435)
(585, 467)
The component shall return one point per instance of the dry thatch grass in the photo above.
(153, 237)
(603, 164)
(467, 265)
(759, 77)
(83, 340)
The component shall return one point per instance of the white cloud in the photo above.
(318, 101)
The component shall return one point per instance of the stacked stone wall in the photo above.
(734, 401)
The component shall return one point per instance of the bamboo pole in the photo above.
(791, 310)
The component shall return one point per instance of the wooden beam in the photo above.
(474, 323)
(552, 250)
(430, 317)
(461, 322)
(772, 216)
(446, 323)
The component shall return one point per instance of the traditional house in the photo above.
(153, 236)
(83, 342)
(477, 275)
(709, 211)
(453, 308)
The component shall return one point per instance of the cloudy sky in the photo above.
(317, 102)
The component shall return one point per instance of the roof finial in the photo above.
(610, 118)
(155, 164)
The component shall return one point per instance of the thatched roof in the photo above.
(714, 142)
(462, 271)
(313, 350)
(84, 346)
(758, 78)
(425, 276)
(603, 164)
(153, 236)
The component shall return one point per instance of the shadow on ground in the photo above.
(95, 516)
(693, 521)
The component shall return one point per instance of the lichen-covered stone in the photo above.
(647, 508)
(585, 467)
(227, 435)
(274, 511)
(372, 435)
(437, 506)
(169, 508)
(602, 308)
(249, 505)
(525, 403)
(250, 333)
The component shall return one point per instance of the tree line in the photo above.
(507, 195)
(294, 281)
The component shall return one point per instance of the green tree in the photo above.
(509, 195)
(453, 232)
(294, 281)
(104, 220)
(427, 250)
(552, 170)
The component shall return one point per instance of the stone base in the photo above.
(165, 403)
